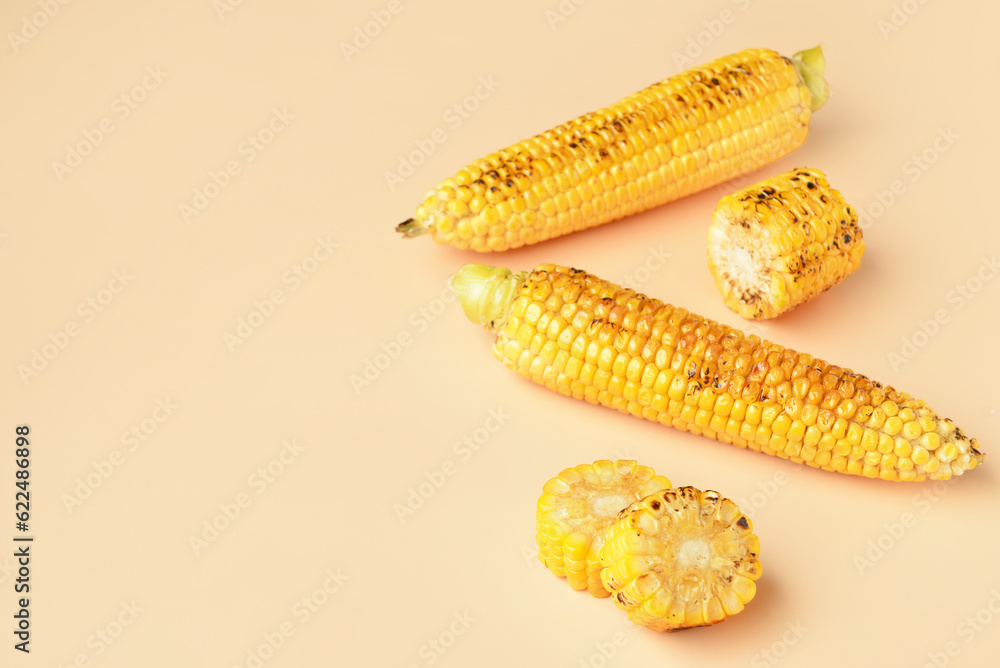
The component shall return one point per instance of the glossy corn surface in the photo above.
(577, 507)
(681, 558)
(679, 136)
(593, 340)
(781, 242)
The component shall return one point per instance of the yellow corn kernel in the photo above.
(577, 507)
(657, 145)
(781, 242)
(627, 330)
(681, 558)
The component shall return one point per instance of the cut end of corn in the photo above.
(575, 511)
(681, 558)
(811, 65)
(485, 292)
(781, 242)
(590, 339)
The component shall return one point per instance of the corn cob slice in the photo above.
(590, 339)
(681, 558)
(677, 137)
(577, 507)
(781, 242)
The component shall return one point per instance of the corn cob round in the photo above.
(590, 339)
(576, 509)
(781, 242)
(681, 558)
(682, 135)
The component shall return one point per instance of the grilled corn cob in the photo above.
(781, 242)
(590, 339)
(681, 558)
(577, 507)
(694, 130)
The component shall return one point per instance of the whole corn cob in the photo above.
(577, 507)
(587, 338)
(681, 558)
(694, 130)
(781, 242)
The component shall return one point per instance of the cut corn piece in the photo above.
(677, 137)
(781, 242)
(681, 558)
(590, 339)
(576, 509)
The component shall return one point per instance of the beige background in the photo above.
(855, 570)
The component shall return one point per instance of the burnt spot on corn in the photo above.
(742, 522)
